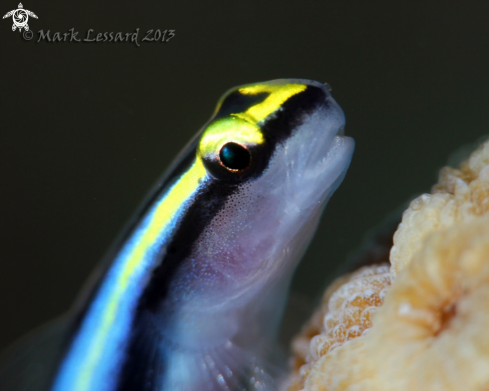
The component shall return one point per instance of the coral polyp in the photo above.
(347, 313)
(461, 193)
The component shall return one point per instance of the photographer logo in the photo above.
(20, 16)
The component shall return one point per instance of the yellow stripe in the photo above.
(278, 95)
(225, 129)
(244, 127)
(162, 216)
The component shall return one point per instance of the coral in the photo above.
(429, 332)
(346, 313)
(459, 195)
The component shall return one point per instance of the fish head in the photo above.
(275, 152)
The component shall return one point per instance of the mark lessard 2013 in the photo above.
(91, 36)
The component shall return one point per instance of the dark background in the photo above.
(87, 128)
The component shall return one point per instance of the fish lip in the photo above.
(341, 131)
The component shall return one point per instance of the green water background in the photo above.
(87, 128)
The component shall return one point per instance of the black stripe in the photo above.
(179, 166)
(280, 126)
(139, 369)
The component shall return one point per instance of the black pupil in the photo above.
(234, 156)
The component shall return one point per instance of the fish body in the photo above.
(191, 296)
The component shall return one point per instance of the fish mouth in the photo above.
(328, 86)
(341, 131)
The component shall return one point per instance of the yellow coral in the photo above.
(431, 331)
(346, 313)
(350, 309)
(460, 194)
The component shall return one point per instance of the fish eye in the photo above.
(235, 157)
